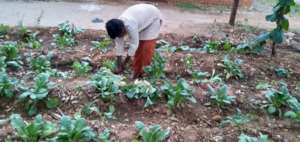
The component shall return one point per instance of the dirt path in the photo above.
(52, 13)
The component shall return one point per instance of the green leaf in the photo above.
(285, 24)
(262, 85)
(271, 109)
(290, 114)
(52, 103)
(139, 125)
(17, 122)
(277, 35)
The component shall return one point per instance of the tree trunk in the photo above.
(273, 49)
(234, 9)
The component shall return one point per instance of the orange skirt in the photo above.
(143, 56)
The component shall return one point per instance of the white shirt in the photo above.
(142, 22)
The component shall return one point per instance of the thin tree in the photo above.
(234, 9)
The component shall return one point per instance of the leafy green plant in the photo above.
(74, 130)
(3, 64)
(214, 78)
(66, 36)
(64, 40)
(188, 62)
(33, 41)
(261, 138)
(141, 89)
(231, 68)
(282, 72)
(38, 93)
(89, 109)
(107, 84)
(156, 69)
(220, 96)
(294, 114)
(104, 136)
(102, 45)
(211, 46)
(81, 68)
(3, 30)
(66, 28)
(262, 85)
(110, 64)
(278, 99)
(237, 119)
(36, 131)
(7, 85)
(40, 64)
(199, 77)
(178, 93)
(9, 50)
(152, 133)
(282, 8)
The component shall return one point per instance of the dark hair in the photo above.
(115, 28)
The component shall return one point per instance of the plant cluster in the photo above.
(220, 96)
(156, 69)
(81, 68)
(261, 138)
(178, 93)
(38, 92)
(66, 36)
(153, 133)
(68, 130)
(107, 84)
(103, 45)
(7, 85)
(231, 68)
(141, 89)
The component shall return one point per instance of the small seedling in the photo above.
(67, 28)
(211, 46)
(178, 93)
(262, 86)
(81, 68)
(220, 96)
(261, 138)
(152, 133)
(295, 115)
(282, 72)
(188, 62)
(199, 77)
(231, 68)
(237, 119)
(105, 136)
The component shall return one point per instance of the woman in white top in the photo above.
(142, 24)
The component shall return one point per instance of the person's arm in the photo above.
(119, 43)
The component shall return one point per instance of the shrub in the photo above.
(152, 133)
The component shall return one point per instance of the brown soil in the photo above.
(191, 123)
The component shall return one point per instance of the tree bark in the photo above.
(273, 49)
(234, 9)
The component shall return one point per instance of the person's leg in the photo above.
(149, 51)
(137, 64)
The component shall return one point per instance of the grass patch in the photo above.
(190, 6)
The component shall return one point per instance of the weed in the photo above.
(152, 133)
(190, 6)
(199, 77)
(262, 86)
(67, 28)
(9, 50)
(64, 40)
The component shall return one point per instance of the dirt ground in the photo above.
(194, 122)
